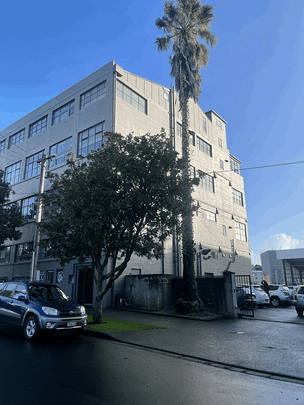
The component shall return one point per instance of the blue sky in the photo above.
(254, 80)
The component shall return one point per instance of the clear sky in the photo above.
(254, 81)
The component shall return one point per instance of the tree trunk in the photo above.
(97, 315)
(190, 301)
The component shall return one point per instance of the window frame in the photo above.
(240, 231)
(237, 197)
(16, 138)
(92, 145)
(69, 108)
(131, 97)
(16, 177)
(86, 98)
(207, 181)
(34, 164)
(204, 146)
(39, 125)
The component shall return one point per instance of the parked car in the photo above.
(279, 295)
(262, 298)
(39, 306)
(299, 300)
(244, 297)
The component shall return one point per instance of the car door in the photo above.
(2, 302)
(16, 304)
(6, 297)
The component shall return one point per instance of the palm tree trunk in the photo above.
(189, 292)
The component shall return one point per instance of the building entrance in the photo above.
(85, 286)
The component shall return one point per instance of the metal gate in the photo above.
(245, 299)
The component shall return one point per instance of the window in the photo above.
(220, 142)
(192, 138)
(204, 124)
(5, 254)
(131, 97)
(32, 166)
(50, 276)
(204, 146)
(179, 129)
(90, 139)
(210, 216)
(222, 164)
(59, 277)
(206, 181)
(166, 95)
(192, 172)
(224, 230)
(214, 255)
(16, 138)
(218, 123)
(28, 208)
(2, 146)
(237, 197)
(38, 126)
(91, 96)
(63, 112)
(61, 150)
(24, 251)
(240, 231)
(235, 165)
(12, 173)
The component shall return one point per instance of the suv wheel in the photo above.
(275, 302)
(31, 328)
(300, 312)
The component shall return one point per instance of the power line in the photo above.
(260, 167)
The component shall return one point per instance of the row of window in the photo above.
(89, 139)
(207, 182)
(23, 251)
(240, 228)
(89, 97)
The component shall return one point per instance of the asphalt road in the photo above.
(87, 371)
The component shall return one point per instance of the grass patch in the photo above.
(116, 325)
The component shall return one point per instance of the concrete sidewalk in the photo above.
(259, 345)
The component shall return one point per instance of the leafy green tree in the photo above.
(10, 214)
(185, 25)
(124, 199)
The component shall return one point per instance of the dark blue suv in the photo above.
(39, 306)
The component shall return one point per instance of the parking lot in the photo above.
(285, 315)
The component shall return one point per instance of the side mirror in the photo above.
(21, 298)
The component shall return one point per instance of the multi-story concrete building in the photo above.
(112, 99)
(284, 266)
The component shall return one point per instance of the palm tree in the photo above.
(184, 25)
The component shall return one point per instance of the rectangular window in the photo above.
(204, 146)
(90, 139)
(166, 95)
(91, 96)
(237, 197)
(240, 231)
(61, 150)
(220, 142)
(218, 123)
(224, 230)
(235, 165)
(210, 216)
(192, 172)
(206, 181)
(179, 129)
(63, 112)
(12, 173)
(2, 146)
(214, 255)
(16, 138)
(24, 252)
(222, 164)
(131, 97)
(5, 254)
(38, 126)
(32, 166)
(28, 208)
(204, 124)
(192, 138)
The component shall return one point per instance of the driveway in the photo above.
(285, 315)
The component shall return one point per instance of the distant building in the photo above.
(258, 275)
(284, 266)
(112, 99)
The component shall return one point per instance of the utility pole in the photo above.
(42, 163)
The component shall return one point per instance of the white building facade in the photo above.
(112, 99)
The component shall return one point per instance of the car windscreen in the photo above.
(47, 293)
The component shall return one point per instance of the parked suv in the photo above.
(279, 295)
(39, 306)
(299, 300)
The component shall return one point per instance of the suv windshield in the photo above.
(47, 293)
